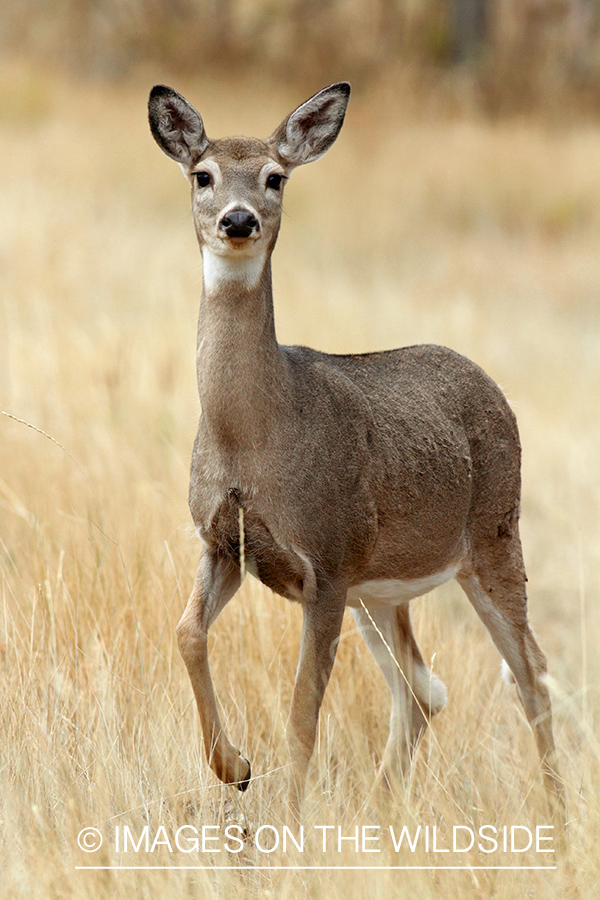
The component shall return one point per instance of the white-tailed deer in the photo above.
(363, 480)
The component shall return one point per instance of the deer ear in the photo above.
(176, 126)
(311, 129)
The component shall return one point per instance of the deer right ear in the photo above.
(176, 126)
(311, 129)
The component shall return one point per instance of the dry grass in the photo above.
(481, 237)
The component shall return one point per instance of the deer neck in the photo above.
(242, 377)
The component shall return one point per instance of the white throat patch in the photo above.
(224, 269)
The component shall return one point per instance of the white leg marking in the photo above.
(429, 689)
(505, 672)
(500, 630)
(376, 636)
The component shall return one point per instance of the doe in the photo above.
(362, 480)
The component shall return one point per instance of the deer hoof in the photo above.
(244, 784)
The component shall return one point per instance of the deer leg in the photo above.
(217, 580)
(499, 598)
(320, 633)
(428, 691)
(416, 694)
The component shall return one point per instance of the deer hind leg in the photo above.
(496, 589)
(416, 694)
(216, 582)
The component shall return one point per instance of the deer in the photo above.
(360, 480)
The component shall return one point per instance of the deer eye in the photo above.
(202, 179)
(274, 181)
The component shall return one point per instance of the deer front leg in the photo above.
(320, 633)
(216, 582)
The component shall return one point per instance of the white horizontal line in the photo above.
(328, 868)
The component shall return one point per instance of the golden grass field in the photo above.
(415, 228)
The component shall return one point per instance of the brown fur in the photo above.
(392, 466)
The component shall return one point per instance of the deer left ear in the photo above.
(310, 130)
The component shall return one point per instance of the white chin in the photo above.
(235, 265)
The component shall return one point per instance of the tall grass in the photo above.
(483, 237)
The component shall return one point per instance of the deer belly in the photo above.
(391, 591)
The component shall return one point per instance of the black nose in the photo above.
(238, 223)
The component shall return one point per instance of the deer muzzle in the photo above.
(239, 223)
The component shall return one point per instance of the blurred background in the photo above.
(461, 206)
(501, 55)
